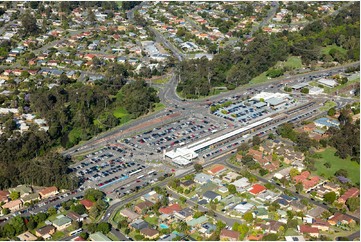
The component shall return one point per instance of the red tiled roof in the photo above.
(48, 190)
(3, 194)
(308, 229)
(216, 169)
(257, 188)
(79, 239)
(352, 192)
(229, 233)
(170, 209)
(87, 203)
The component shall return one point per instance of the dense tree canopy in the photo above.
(234, 67)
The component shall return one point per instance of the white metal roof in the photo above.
(230, 134)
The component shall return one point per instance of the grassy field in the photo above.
(75, 134)
(337, 163)
(259, 79)
(326, 50)
(292, 62)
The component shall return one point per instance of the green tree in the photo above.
(28, 22)
(14, 195)
(104, 227)
(353, 203)
(51, 211)
(305, 90)
(79, 209)
(198, 167)
(93, 194)
(256, 140)
(5, 211)
(331, 112)
(294, 172)
(232, 189)
(299, 187)
(248, 217)
(31, 224)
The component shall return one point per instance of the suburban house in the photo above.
(45, 232)
(320, 224)
(22, 189)
(75, 216)
(202, 178)
(197, 222)
(295, 238)
(185, 214)
(257, 188)
(170, 209)
(149, 233)
(87, 203)
(339, 218)
(244, 207)
(31, 197)
(98, 236)
(187, 184)
(217, 169)
(306, 180)
(152, 197)
(241, 184)
(326, 122)
(140, 207)
(352, 192)
(139, 224)
(4, 196)
(62, 223)
(231, 176)
(211, 196)
(129, 214)
(315, 212)
(230, 235)
(13, 205)
(306, 229)
(27, 236)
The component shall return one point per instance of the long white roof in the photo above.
(230, 134)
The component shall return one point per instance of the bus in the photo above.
(74, 232)
(135, 172)
(141, 176)
(151, 172)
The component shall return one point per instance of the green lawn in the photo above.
(57, 235)
(326, 50)
(160, 81)
(260, 78)
(337, 163)
(292, 62)
(152, 220)
(158, 107)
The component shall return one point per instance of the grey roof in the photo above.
(275, 101)
(211, 195)
(202, 178)
(299, 85)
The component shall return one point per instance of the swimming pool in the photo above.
(163, 226)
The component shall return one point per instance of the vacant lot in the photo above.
(337, 163)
